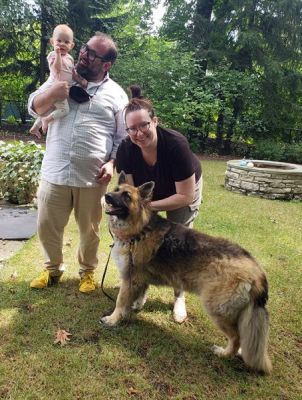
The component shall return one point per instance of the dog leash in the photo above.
(106, 267)
(105, 271)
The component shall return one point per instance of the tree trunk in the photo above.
(237, 106)
(219, 133)
(43, 44)
(201, 33)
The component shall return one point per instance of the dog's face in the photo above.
(126, 201)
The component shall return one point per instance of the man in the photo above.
(79, 159)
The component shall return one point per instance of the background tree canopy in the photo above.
(225, 70)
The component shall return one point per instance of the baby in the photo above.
(61, 66)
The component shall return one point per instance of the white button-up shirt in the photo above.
(78, 144)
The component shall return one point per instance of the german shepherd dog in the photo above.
(149, 249)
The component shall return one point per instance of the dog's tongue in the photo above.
(111, 209)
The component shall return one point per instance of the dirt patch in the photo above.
(11, 133)
(9, 247)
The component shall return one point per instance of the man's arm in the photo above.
(120, 132)
(42, 100)
(106, 171)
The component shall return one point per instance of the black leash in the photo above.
(106, 267)
(105, 271)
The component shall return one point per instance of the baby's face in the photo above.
(64, 41)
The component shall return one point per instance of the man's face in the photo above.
(90, 64)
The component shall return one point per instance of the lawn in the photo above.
(150, 356)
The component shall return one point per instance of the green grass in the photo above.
(151, 357)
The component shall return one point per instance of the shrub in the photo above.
(293, 153)
(11, 120)
(272, 151)
(268, 150)
(20, 165)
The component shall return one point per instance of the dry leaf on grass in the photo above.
(14, 276)
(132, 391)
(61, 337)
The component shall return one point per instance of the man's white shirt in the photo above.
(78, 144)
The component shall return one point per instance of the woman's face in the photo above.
(141, 128)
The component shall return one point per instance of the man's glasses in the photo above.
(143, 127)
(91, 54)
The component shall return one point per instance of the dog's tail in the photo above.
(253, 327)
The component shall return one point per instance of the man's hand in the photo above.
(106, 172)
(36, 132)
(58, 91)
(80, 80)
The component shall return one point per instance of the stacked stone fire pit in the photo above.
(268, 179)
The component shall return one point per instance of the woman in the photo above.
(153, 153)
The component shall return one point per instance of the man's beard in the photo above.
(84, 72)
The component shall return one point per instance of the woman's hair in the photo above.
(138, 102)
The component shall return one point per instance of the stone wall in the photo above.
(270, 183)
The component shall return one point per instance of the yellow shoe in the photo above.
(87, 283)
(44, 280)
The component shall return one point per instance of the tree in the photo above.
(257, 37)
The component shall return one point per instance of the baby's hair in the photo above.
(62, 28)
(138, 102)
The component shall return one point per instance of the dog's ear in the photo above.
(122, 178)
(146, 190)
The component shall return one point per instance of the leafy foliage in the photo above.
(259, 38)
(277, 151)
(228, 69)
(20, 165)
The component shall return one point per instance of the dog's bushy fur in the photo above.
(152, 250)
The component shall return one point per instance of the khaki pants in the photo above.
(55, 203)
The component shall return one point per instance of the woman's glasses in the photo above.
(143, 127)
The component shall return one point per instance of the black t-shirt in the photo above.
(175, 162)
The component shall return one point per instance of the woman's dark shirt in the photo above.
(175, 162)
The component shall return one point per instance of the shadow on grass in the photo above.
(154, 339)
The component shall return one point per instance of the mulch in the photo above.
(11, 133)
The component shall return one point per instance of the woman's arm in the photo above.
(184, 196)
(129, 179)
(185, 191)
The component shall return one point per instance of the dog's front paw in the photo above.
(139, 303)
(219, 351)
(109, 321)
(179, 311)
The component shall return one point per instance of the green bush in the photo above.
(268, 150)
(20, 165)
(274, 151)
(293, 153)
(11, 120)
